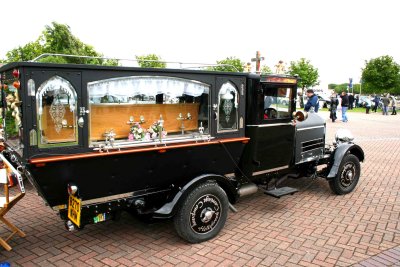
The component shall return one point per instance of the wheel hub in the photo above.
(347, 176)
(205, 214)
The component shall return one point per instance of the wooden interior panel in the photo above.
(104, 117)
(49, 130)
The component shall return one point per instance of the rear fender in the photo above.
(340, 151)
(228, 185)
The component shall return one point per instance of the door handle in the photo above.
(81, 122)
(83, 111)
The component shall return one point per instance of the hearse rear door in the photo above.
(228, 107)
(59, 117)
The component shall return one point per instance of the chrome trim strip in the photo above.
(308, 128)
(270, 170)
(269, 125)
(229, 175)
(107, 199)
(111, 198)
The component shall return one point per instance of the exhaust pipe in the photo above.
(248, 189)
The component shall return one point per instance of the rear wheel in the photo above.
(347, 177)
(202, 214)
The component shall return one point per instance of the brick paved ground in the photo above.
(312, 228)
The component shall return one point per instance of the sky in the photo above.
(336, 36)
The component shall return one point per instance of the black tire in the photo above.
(347, 177)
(202, 214)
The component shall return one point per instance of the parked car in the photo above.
(364, 97)
(324, 102)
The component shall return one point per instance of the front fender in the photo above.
(229, 186)
(341, 150)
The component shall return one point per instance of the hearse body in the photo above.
(162, 143)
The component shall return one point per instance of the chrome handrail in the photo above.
(201, 65)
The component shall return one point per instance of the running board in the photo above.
(280, 192)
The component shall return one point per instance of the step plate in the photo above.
(282, 191)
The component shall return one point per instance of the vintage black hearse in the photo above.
(163, 143)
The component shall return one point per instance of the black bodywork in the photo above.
(153, 180)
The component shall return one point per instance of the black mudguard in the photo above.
(340, 151)
(228, 185)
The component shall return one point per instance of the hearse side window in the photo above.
(140, 109)
(277, 103)
(56, 102)
(228, 104)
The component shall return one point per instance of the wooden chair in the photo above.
(7, 201)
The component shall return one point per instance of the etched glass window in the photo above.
(228, 104)
(56, 113)
(142, 109)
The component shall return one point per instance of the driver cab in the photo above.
(270, 127)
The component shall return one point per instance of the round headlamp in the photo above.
(343, 135)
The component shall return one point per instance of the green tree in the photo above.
(381, 75)
(24, 53)
(265, 69)
(339, 87)
(150, 61)
(229, 64)
(57, 39)
(307, 73)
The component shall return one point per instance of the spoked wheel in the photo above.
(202, 214)
(347, 177)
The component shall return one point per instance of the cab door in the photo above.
(271, 145)
(57, 120)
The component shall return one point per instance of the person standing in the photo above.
(385, 103)
(393, 104)
(376, 103)
(333, 107)
(345, 106)
(351, 101)
(357, 99)
(312, 101)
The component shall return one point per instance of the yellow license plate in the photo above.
(74, 210)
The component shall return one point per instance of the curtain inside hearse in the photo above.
(133, 107)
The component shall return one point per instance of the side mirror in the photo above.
(300, 115)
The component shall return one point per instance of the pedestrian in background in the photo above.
(376, 103)
(351, 101)
(345, 106)
(367, 104)
(393, 104)
(385, 103)
(312, 101)
(357, 100)
(333, 107)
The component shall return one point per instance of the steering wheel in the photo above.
(271, 113)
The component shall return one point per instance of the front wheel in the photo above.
(202, 214)
(347, 177)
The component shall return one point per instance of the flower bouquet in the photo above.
(154, 131)
(137, 132)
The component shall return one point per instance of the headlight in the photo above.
(343, 135)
